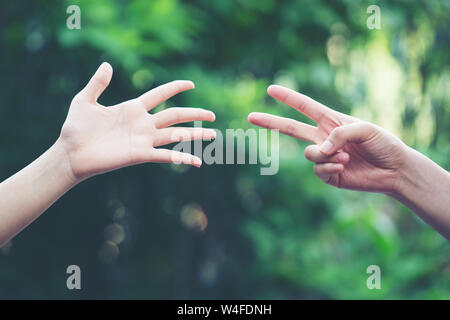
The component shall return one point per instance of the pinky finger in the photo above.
(171, 156)
(326, 171)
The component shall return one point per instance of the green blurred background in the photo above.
(225, 231)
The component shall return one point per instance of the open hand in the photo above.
(98, 139)
(347, 152)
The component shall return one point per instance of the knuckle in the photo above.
(291, 129)
(177, 114)
(165, 92)
(101, 81)
(329, 180)
(198, 133)
(367, 126)
(176, 137)
(79, 97)
(301, 106)
(337, 133)
(75, 99)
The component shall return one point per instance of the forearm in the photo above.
(28, 193)
(424, 187)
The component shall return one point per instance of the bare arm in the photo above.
(28, 193)
(424, 187)
(97, 139)
(353, 154)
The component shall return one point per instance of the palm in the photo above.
(100, 139)
(370, 164)
(106, 138)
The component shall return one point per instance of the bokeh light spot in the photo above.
(193, 217)
(108, 252)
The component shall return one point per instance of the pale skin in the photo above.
(96, 139)
(347, 152)
(353, 154)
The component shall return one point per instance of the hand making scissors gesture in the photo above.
(358, 155)
(347, 152)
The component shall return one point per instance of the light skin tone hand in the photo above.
(96, 139)
(353, 154)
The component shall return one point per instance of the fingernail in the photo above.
(326, 147)
(211, 134)
(274, 90)
(197, 162)
(105, 65)
(254, 116)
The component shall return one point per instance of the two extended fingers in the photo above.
(301, 103)
(173, 116)
(286, 126)
(304, 104)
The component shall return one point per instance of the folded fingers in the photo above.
(313, 154)
(327, 167)
(328, 172)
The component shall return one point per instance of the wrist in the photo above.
(406, 174)
(61, 163)
(423, 187)
(419, 176)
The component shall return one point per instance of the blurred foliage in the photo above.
(224, 231)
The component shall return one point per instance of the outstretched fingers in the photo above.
(328, 172)
(286, 126)
(298, 101)
(160, 94)
(313, 154)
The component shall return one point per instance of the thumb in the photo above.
(356, 132)
(98, 83)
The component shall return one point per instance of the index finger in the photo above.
(160, 94)
(286, 126)
(304, 104)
